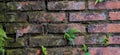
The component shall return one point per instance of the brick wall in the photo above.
(43, 22)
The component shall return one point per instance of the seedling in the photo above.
(98, 1)
(3, 36)
(44, 50)
(85, 49)
(106, 40)
(70, 35)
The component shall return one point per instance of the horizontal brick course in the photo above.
(62, 5)
(31, 28)
(103, 28)
(28, 5)
(60, 28)
(86, 16)
(46, 17)
(104, 5)
(114, 15)
(105, 51)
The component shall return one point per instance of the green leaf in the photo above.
(85, 48)
(70, 35)
(101, 0)
(87, 53)
(2, 33)
(44, 50)
(71, 40)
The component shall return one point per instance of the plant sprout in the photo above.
(44, 50)
(3, 36)
(98, 1)
(70, 35)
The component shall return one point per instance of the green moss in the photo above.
(18, 43)
(14, 52)
(60, 5)
(11, 6)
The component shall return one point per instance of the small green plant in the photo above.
(70, 35)
(85, 49)
(106, 40)
(3, 36)
(98, 1)
(44, 50)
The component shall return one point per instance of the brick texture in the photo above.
(114, 28)
(28, 5)
(105, 5)
(44, 23)
(46, 17)
(62, 5)
(114, 15)
(87, 16)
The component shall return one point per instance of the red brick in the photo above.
(104, 28)
(104, 5)
(79, 40)
(64, 51)
(28, 5)
(114, 40)
(87, 16)
(94, 39)
(63, 5)
(105, 51)
(13, 27)
(114, 15)
(47, 40)
(46, 17)
(60, 28)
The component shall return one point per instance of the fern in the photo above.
(85, 49)
(3, 36)
(106, 40)
(44, 50)
(70, 35)
(98, 1)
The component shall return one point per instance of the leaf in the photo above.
(96, 2)
(44, 50)
(71, 40)
(87, 53)
(101, 0)
(70, 35)
(3, 36)
(2, 33)
(85, 48)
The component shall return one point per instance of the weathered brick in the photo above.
(114, 39)
(31, 28)
(16, 17)
(46, 17)
(26, 51)
(19, 43)
(114, 15)
(86, 16)
(2, 7)
(105, 51)
(79, 40)
(15, 52)
(49, 40)
(28, 5)
(64, 51)
(103, 28)
(104, 5)
(60, 28)
(63, 5)
(95, 39)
